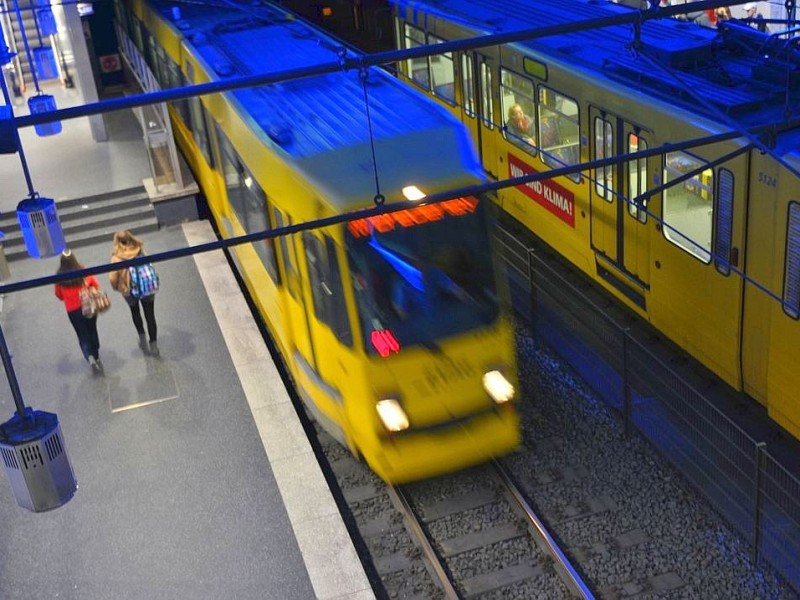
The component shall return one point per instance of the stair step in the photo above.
(77, 215)
(89, 220)
(92, 236)
(82, 207)
(109, 219)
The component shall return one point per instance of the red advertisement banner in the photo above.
(555, 198)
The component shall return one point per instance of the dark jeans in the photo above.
(148, 304)
(86, 329)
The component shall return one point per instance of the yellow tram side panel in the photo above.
(687, 299)
(690, 300)
(783, 394)
(211, 180)
(255, 153)
(765, 255)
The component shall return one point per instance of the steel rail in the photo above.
(568, 573)
(414, 526)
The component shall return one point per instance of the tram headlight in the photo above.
(498, 387)
(412, 192)
(392, 415)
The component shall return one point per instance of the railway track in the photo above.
(443, 516)
(467, 535)
(632, 527)
(629, 522)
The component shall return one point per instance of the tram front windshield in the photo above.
(423, 274)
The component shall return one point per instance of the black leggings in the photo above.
(148, 303)
(86, 330)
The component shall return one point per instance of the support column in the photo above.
(84, 77)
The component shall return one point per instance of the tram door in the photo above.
(618, 232)
(296, 315)
(327, 323)
(477, 107)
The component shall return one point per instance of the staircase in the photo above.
(89, 220)
(21, 64)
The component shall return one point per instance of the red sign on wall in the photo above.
(555, 198)
(110, 63)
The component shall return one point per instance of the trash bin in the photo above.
(36, 460)
(42, 103)
(41, 228)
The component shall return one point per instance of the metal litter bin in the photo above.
(42, 103)
(41, 228)
(36, 460)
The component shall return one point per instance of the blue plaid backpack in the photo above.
(144, 281)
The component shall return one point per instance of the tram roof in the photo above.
(733, 73)
(319, 122)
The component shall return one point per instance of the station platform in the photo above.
(195, 477)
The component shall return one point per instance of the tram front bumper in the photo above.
(413, 455)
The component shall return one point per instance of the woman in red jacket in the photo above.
(68, 292)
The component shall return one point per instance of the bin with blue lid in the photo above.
(42, 103)
(41, 227)
(35, 457)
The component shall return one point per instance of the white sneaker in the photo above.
(97, 367)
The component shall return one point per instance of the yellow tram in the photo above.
(395, 327)
(712, 257)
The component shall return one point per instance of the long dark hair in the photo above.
(70, 263)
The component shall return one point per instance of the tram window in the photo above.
(162, 72)
(723, 228)
(516, 96)
(136, 34)
(150, 52)
(417, 68)
(326, 286)
(443, 73)
(487, 102)
(604, 148)
(249, 204)
(637, 178)
(791, 274)
(467, 85)
(287, 251)
(198, 127)
(175, 80)
(559, 135)
(688, 205)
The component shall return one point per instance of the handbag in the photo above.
(88, 305)
(93, 301)
(101, 300)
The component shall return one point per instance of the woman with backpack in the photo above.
(138, 286)
(69, 292)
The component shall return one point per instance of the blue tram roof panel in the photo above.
(734, 71)
(312, 115)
